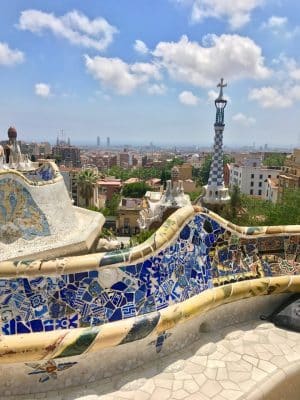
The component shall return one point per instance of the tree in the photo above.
(86, 180)
(165, 176)
(204, 171)
(287, 211)
(136, 190)
(274, 160)
(195, 195)
(141, 237)
(235, 200)
(113, 204)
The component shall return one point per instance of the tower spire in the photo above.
(215, 191)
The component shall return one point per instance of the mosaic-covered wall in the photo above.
(20, 217)
(203, 254)
(44, 173)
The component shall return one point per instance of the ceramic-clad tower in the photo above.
(215, 191)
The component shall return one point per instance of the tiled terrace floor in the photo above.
(234, 363)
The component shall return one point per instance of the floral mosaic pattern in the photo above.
(203, 255)
(19, 214)
(49, 369)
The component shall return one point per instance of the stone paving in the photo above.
(234, 363)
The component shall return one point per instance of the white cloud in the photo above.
(188, 98)
(269, 97)
(287, 90)
(212, 95)
(42, 90)
(140, 47)
(73, 26)
(275, 22)
(290, 66)
(236, 12)
(278, 26)
(123, 78)
(10, 57)
(232, 56)
(157, 89)
(244, 120)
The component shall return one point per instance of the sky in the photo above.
(143, 71)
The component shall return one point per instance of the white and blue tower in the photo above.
(215, 191)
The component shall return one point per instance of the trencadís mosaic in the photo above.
(19, 214)
(203, 255)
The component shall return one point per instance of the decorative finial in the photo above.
(221, 85)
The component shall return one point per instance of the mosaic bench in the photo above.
(56, 313)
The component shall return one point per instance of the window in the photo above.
(260, 176)
(251, 191)
(252, 176)
(259, 192)
(260, 184)
(252, 184)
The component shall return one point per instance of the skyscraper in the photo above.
(98, 141)
(215, 191)
(108, 141)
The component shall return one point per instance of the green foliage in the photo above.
(141, 237)
(274, 160)
(286, 212)
(227, 159)
(162, 172)
(204, 171)
(94, 208)
(86, 180)
(112, 205)
(106, 234)
(254, 212)
(194, 195)
(165, 175)
(137, 189)
(235, 201)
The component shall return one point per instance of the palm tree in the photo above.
(86, 180)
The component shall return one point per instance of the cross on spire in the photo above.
(221, 85)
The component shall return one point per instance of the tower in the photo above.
(98, 141)
(215, 191)
(108, 142)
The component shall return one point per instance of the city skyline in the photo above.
(103, 70)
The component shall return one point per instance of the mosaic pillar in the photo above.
(215, 191)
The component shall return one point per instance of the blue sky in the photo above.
(146, 70)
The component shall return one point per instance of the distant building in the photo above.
(124, 159)
(289, 178)
(35, 149)
(107, 187)
(271, 193)
(185, 171)
(132, 180)
(67, 155)
(98, 141)
(108, 142)
(252, 180)
(154, 183)
(128, 215)
(70, 178)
